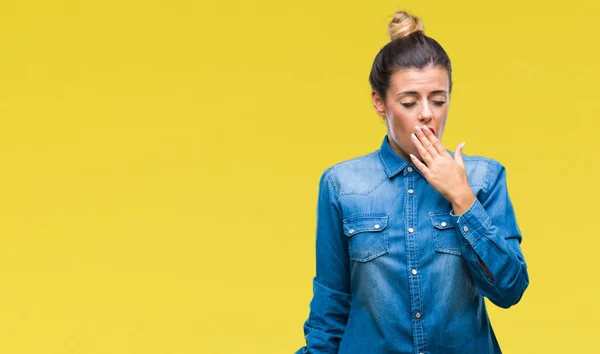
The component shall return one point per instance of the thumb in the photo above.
(458, 154)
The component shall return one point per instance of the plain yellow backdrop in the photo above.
(160, 159)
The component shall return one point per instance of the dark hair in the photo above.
(409, 48)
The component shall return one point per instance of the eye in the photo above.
(439, 103)
(409, 104)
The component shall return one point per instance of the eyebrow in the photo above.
(416, 93)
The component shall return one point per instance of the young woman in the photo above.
(412, 237)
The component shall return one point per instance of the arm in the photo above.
(491, 238)
(330, 305)
(491, 242)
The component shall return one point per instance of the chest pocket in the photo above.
(445, 236)
(367, 236)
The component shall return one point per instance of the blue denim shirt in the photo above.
(398, 272)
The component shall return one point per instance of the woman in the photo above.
(412, 237)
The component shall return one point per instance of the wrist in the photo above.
(462, 201)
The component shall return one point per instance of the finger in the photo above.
(421, 166)
(425, 142)
(421, 150)
(458, 154)
(437, 144)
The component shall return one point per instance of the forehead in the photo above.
(420, 80)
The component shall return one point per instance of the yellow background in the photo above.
(160, 159)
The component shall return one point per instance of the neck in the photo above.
(398, 150)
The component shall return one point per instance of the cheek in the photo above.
(442, 112)
(403, 122)
(443, 116)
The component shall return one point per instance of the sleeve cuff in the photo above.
(473, 223)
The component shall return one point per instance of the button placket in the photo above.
(412, 259)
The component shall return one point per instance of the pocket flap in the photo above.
(366, 223)
(442, 221)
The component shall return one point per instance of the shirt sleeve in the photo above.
(490, 235)
(330, 305)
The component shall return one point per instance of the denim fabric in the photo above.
(398, 272)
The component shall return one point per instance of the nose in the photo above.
(426, 114)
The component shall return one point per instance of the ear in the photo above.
(378, 103)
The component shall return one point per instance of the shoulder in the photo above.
(481, 170)
(358, 175)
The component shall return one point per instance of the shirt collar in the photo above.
(391, 161)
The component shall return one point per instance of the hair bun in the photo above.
(404, 24)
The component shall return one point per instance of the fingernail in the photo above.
(417, 128)
(425, 128)
(412, 156)
(413, 136)
(462, 146)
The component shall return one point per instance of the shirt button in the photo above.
(465, 229)
(418, 315)
(351, 231)
(410, 191)
(376, 226)
(414, 271)
(443, 224)
(410, 229)
(409, 169)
